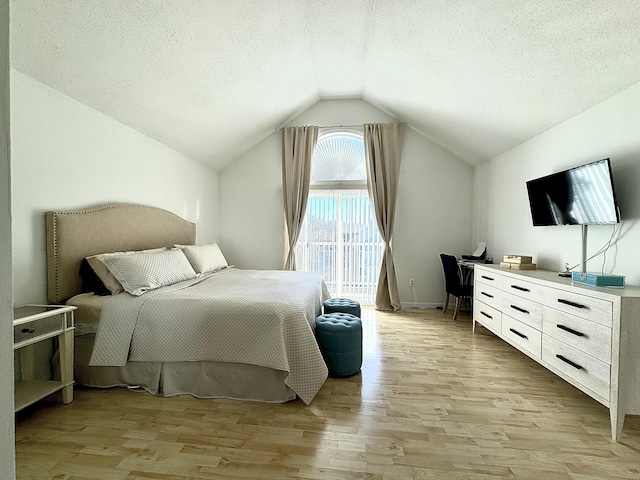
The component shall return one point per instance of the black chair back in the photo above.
(451, 274)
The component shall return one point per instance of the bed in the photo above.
(224, 333)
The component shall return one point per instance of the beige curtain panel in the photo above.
(298, 144)
(383, 152)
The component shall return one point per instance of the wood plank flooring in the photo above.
(433, 401)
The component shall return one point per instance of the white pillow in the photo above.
(204, 258)
(141, 272)
(97, 264)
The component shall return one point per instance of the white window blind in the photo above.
(339, 237)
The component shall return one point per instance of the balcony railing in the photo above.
(340, 240)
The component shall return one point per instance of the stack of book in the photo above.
(517, 262)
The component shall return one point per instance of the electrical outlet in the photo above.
(412, 282)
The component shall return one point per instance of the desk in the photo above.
(466, 269)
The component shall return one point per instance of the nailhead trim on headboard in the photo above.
(75, 234)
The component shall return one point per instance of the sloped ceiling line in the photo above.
(211, 78)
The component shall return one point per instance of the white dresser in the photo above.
(588, 336)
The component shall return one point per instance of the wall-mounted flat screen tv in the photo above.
(583, 195)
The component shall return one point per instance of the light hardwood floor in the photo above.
(433, 401)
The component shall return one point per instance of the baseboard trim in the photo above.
(421, 305)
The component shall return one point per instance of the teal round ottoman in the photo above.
(339, 337)
(343, 305)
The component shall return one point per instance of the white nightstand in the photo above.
(33, 324)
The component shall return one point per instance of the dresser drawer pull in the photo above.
(27, 330)
(519, 309)
(487, 294)
(486, 315)
(487, 278)
(566, 360)
(521, 335)
(522, 289)
(570, 330)
(570, 303)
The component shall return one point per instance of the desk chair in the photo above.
(453, 283)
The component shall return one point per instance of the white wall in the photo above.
(501, 210)
(67, 155)
(7, 448)
(434, 212)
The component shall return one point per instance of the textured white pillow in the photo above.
(97, 264)
(141, 272)
(204, 258)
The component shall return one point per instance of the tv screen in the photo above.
(582, 195)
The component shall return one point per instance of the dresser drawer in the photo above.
(487, 316)
(585, 335)
(488, 277)
(40, 328)
(488, 294)
(523, 288)
(525, 310)
(594, 309)
(579, 366)
(522, 335)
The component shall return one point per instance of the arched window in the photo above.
(338, 160)
(339, 237)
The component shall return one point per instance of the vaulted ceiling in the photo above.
(210, 78)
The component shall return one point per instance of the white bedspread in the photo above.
(258, 317)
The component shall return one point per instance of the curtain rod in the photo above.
(343, 126)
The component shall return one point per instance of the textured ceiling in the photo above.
(212, 78)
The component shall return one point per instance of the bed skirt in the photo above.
(200, 379)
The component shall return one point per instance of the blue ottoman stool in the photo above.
(339, 337)
(343, 305)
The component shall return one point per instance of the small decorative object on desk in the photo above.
(518, 262)
(597, 279)
(566, 272)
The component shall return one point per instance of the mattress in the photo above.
(272, 366)
(87, 316)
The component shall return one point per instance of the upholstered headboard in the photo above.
(75, 234)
